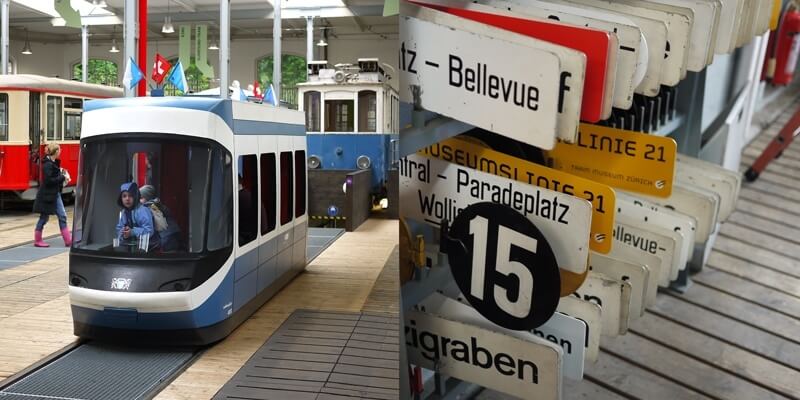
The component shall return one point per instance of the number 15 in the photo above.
(479, 229)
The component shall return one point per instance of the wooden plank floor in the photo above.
(35, 319)
(340, 279)
(16, 227)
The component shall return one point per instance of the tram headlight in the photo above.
(77, 280)
(178, 285)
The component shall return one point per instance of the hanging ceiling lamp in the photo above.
(214, 45)
(114, 48)
(322, 43)
(27, 48)
(167, 28)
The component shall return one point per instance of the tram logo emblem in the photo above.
(120, 283)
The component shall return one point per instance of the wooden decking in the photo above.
(340, 279)
(35, 319)
(17, 227)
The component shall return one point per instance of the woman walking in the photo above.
(48, 198)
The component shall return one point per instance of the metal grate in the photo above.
(100, 372)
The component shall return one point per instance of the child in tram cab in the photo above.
(163, 222)
(135, 220)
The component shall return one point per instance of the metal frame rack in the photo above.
(709, 111)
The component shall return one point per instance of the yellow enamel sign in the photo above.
(601, 196)
(621, 159)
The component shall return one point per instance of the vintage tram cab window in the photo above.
(3, 116)
(182, 197)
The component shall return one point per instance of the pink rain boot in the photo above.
(67, 237)
(38, 242)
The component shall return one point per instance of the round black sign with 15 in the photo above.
(505, 268)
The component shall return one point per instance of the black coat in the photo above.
(49, 188)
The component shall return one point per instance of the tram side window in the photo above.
(367, 111)
(300, 183)
(54, 112)
(72, 118)
(286, 187)
(339, 115)
(268, 192)
(72, 125)
(248, 198)
(220, 233)
(3, 116)
(311, 102)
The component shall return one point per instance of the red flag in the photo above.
(257, 90)
(160, 68)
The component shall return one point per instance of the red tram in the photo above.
(34, 111)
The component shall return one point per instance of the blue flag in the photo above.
(269, 97)
(132, 74)
(177, 78)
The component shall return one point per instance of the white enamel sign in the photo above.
(590, 313)
(714, 177)
(655, 33)
(499, 361)
(614, 298)
(432, 190)
(637, 275)
(564, 331)
(649, 240)
(628, 49)
(652, 262)
(663, 217)
(679, 226)
(694, 201)
(677, 33)
(507, 88)
(704, 30)
(573, 63)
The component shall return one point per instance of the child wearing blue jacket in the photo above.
(135, 220)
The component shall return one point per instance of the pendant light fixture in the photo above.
(167, 28)
(114, 48)
(214, 45)
(27, 48)
(322, 43)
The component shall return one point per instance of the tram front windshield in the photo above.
(177, 198)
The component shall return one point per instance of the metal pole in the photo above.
(309, 39)
(276, 52)
(142, 62)
(4, 33)
(130, 38)
(224, 46)
(84, 52)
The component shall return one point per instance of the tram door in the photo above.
(34, 134)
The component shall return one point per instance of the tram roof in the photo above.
(239, 115)
(36, 83)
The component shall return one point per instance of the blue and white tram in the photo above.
(229, 180)
(352, 117)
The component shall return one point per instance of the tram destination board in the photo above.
(502, 86)
(523, 368)
(432, 190)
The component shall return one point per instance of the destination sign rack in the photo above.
(492, 217)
